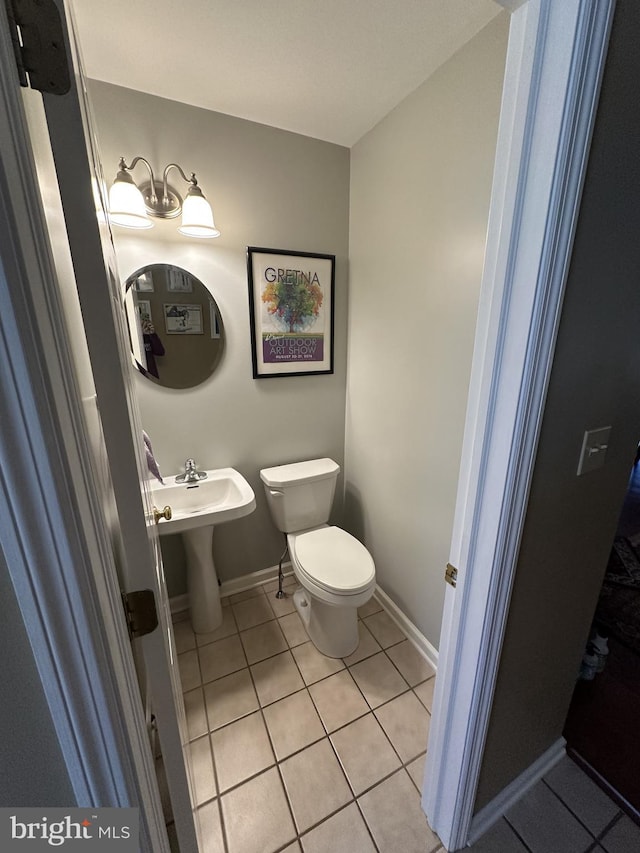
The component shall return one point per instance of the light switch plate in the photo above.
(594, 449)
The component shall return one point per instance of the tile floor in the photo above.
(293, 752)
(566, 812)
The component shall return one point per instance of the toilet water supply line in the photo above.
(280, 593)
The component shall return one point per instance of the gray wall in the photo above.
(420, 190)
(595, 382)
(33, 771)
(268, 188)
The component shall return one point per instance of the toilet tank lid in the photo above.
(299, 472)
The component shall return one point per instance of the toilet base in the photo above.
(333, 630)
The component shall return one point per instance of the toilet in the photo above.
(335, 571)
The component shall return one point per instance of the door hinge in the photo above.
(451, 575)
(39, 45)
(140, 612)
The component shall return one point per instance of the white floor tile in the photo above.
(202, 769)
(413, 667)
(365, 753)
(229, 698)
(406, 723)
(189, 670)
(293, 723)
(256, 815)
(378, 679)
(393, 813)
(241, 750)
(338, 700)
(276, 678)
(210, 828)
(345, 832)
(315, 784)
(313, 664)
(221, 658)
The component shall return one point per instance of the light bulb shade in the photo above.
(126, 205)
(197, 217)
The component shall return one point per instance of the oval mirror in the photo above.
(175, 327)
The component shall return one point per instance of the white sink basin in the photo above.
(222, 496)
(196, 508)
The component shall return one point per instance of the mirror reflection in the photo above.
(175, 327)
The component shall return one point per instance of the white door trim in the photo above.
(554, 67)
(56, 546)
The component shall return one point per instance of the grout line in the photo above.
(610, 825)
(273, 752)
(569, 809)
(517, 834)
(368, 828)
(223, 828)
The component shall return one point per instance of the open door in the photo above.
(89, 300)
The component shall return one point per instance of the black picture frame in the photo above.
(291, 312)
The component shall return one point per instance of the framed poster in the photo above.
(291, 298)
(144, 283)
(182, 319)
(178, 281)
(144, 308)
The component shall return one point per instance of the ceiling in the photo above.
(330, 69)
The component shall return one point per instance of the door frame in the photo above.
(555, 61)
(56, 547)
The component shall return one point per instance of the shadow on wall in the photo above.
(353, 512)
(175, 564)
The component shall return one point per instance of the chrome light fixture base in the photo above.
(160, 202)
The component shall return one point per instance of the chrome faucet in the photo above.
(191, 473)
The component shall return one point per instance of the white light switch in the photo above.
(594, 449)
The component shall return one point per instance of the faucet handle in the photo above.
(190, 465)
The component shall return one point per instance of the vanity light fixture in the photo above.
(131, 205)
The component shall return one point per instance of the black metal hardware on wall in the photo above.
(140, 612)
(39, 45)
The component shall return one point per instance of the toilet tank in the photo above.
(300, 495)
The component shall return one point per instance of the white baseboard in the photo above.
(181, 602)
(231, 587)
(426, 649)
(497, 808)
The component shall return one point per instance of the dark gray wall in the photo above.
(595, 382)
(32, 768)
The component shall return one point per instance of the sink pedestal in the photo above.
(202, 580)
(196, 508)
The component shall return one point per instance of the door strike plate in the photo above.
(451, 575)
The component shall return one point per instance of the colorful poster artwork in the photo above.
(292, 312)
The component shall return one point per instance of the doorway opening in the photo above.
(601, 728)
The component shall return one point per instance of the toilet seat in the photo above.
(333, 560)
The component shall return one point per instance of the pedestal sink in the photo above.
(196, 508)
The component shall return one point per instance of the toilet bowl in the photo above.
(337, 575)
(335, 571)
